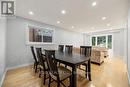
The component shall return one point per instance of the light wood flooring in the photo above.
(112, 73)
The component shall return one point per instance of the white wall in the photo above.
(119, 43)
(2, 47)
(18, 52)
(87, 39)
(129, 44)
(67, 37)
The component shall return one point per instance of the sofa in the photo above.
(98, 54)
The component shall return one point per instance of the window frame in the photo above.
(39, 27)
(106, 35)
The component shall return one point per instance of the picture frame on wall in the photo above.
(39, 35)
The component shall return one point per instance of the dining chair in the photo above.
(35, 59)
(69, 48)
(43, 64)
(61, 48)
(56, 73)
(86, 50)
(82, 50)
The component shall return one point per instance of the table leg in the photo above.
(74, 77)
(89, 69)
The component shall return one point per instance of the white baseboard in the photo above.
(3, 77)
(18, 66)
(9, 68)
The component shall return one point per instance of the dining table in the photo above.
(73, 60)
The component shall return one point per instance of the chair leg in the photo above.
(49, 85)
(86, 70)
(36, 68)
(44, 77)
(34, 65)
(70, 81)
(89, 70)
(58, 84)
(40, 73)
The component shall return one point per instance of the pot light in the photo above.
(31, 13)
(93, 28)
(94, 4)
(63, 12)
(58, 22)
(104, 18)
(72, 27)
(108, 25)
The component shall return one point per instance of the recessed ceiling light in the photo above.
(58, 22)
(72, 27)
(104, 18)
(93, 28)
(63, 12)
(108, 25)
(94, 3)
(31, 13)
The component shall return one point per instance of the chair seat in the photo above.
(63, 73)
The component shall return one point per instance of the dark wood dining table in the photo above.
(73, 60)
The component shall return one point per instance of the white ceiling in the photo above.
(79, 13)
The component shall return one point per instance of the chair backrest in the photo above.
(82, 50)
(61, 48)
(69, 48)
(86, 50)
(40, 57)
(33, 53)
(50, 52)
(51, 62)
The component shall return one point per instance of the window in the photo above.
(109, 42)
(39, 35)
(93, 41)
(102, 41)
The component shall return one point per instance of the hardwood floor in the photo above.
(112, 73)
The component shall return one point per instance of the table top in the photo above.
(71, 58)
